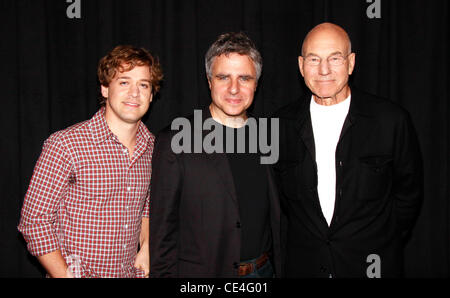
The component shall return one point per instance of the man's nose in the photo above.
(234, 86)
(324, 67)
(134, 90)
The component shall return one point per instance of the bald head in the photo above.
(327, 31)
(326, 63)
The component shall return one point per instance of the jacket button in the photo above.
(323, 269)
(235, 265)
(340, 163)
(238, 225)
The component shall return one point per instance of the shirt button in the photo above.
(126, 226)
(238, 225)
(125, 151)
(124, 246)
(129, 188)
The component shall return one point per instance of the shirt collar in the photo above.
(143, 134)
(99, 128)
(101, 132)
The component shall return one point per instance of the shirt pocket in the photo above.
(374, 177)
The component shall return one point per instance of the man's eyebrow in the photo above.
(246, 76)
(218, 75)
(127, 78)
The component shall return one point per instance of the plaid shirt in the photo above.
(87, 199)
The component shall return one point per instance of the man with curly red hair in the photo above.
(86, 210)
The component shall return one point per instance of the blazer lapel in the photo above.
(305, 132)
(219, 162)
(355, 127)
(307, 135)
(304, 128)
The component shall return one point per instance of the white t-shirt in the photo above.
(327, 122)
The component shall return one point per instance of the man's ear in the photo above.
(209, 82)
(105, 91)
(301, 61)
(351, 63)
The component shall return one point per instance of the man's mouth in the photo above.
(131, 104)
(325, 81)
(234, 100)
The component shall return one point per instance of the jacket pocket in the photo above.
(374, 177)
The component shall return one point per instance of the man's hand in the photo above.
(55, 265)
(143, 256)
(143, 260)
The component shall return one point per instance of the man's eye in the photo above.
(124, 83)
(222, 78)
(146, 86)
(245, 79)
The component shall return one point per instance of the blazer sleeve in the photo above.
(164, 204)
(408, 175)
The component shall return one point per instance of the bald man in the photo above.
(349, 170)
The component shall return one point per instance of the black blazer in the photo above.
(194, 220)
(378, 190)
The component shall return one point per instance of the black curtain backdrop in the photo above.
(48, 82)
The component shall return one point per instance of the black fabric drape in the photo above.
(49, 82)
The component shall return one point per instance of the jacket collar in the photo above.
(357, 110)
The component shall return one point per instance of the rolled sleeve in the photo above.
(38, 222)
(146, 211)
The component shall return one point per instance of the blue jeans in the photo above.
(266, 271)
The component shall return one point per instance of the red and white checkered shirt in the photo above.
(87, 199)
